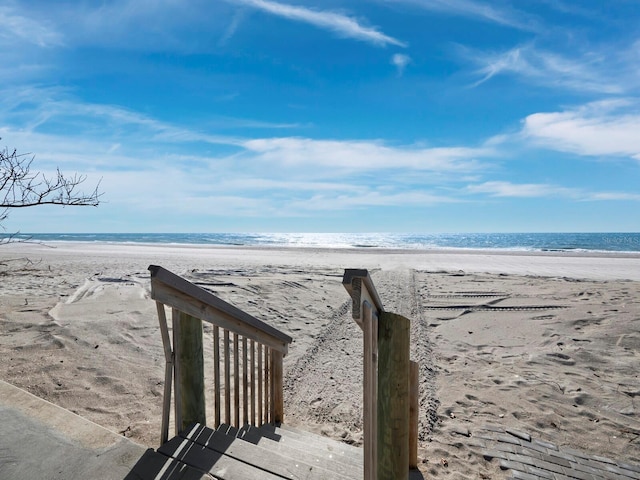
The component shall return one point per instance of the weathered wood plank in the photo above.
(236, 381)
(414, 414)
(253, 382)
(177, 405)
(360, 287)
(189, 356)
(153, 465)
(267, 391)
(222, 467)
(245, 382)
(393, 396)
(177, 292)
(370, 389)
(216, 375)
(227, 378)
(277, 401)
(168, 373)
(269, 436)
(296, 465)
(260, 399)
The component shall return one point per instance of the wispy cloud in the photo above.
(597, 129)
(16, 27)
(482, 11)
(353, 155)
(363, 198)
(521, 190)
(251, 177)
(589, 72)
(400, 61)
(615, 196)
(338, 23)
(231, 29)
(545, 190)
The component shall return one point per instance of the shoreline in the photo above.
(346, 249)
(587, 265)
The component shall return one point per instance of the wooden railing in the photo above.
(244, 348)
(390, 385)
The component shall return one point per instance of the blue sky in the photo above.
(328, 116)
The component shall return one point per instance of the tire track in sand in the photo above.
(323, 389)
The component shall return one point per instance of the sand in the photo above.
(545, 343)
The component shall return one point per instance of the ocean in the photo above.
(543, 242)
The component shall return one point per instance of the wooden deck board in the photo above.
(277, 459)
(153, 465)
(308, 446)
(222, 467)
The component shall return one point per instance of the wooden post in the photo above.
(189, 352)
(414, 406)
(393, 396)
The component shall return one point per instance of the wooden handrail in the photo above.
(390, 386)
(176, 292)
(251, 349)
(358, 283)
(366, 311)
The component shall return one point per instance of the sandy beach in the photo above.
(544, 343)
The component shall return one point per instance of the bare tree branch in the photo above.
(20, 187)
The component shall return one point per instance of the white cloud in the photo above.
(487, 12)
(589, 72)
(400, 61)
(353, 155)
(362, 198)
(231, 29)
(522, 190)
(605, 128)
(545, 190)
(338, 23)
(136, 156)
(614, 196)
(18, 28)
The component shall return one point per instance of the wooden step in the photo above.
(153, 465)
(293, 432)
(228, 457)
(206, 460)
(308, 450)
(297, 441)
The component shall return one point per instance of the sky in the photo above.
(417, 116)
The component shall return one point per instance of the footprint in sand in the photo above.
(561, 358)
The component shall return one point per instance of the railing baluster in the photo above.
(216, 373)
(277, 400)
(261, 369)
(227, 379)
(245, 383)
(175, 328)
(168, 371)
(236, 381)
(260, 404)
(267, 391)
(253, 382)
